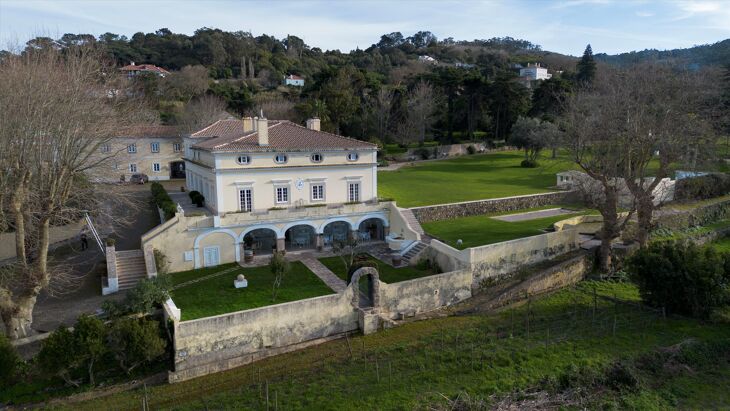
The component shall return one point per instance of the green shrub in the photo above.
(528, 164)
(9, 361)
(147, 294)
(161, 261)
(59, 356)
(135, 342)
(193, 194)
(423, 153)
(682, 277)
(471, 149)
(90, 335)
(702, 187)
(163, 200)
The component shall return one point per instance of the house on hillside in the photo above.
(133, 70)
(272, 185)
(294, 80)
(534, 71)
(154, 150)
(427, 59)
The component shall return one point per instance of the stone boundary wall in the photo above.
(702, 215)
(57, 234)
(494, 205)
(493, 260)
(407, 298)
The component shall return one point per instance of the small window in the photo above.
(176, 147)
(155, 147)
(317, 192)
(282, 195)
(280, 158)
(132, 168)
(316, 158)
(105, 148)
(132, 148)
(352, 156)
(156, 167)
(243, 160)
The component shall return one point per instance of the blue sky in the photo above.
(565, 26)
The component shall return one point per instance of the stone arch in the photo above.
(362, 272)
(296, 223)
(369, 216)
(271, 227)
(199, 238)
(320, 230)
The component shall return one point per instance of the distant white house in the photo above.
(427, 59)
(534, 71)
(133, 69)
(294, 80)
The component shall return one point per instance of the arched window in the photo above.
(243, 160)
(352, 156)
(316, 158)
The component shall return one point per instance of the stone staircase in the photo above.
(413, 252)
(130, 268)
(412, 220)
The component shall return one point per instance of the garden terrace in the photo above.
(217, 295)
(467, 178)
(386, 272)
(480, 230)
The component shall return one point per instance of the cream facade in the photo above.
(155, 151)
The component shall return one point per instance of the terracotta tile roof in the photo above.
(294, 77)
(228, 135)
(149, 131)
(144, 67)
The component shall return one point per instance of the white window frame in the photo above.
(156, 167)
(353, 156)
(132, 148)
(132, 167)
(247, 207)
(321, 192)
(353, 191)
(155, 147)
(176, 147)
(105, 148)
(243, 163)
(321, 157)
(283, 196)
(285, 158)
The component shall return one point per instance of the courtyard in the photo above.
(486, 229)
(466, 178)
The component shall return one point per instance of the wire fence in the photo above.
(516, 332)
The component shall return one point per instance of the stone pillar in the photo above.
(320, 240)
(354, 235)
(386, 231)
(280, 244)
(111, 271)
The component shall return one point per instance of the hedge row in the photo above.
(702, 187)
(196, 198)
(163, 200)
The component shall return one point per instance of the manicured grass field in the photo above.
(467, 178)
(218, 295)
(387, 273)
(420, 365)
(482, 229)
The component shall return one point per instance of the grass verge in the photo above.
(387, 273)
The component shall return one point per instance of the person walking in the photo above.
(84, 241)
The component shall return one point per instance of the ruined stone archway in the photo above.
(374, 290)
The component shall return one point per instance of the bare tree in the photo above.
(57, 110)
(274, 106)
(187, 83)
(420, 113)
(381, 104)
(201, 112)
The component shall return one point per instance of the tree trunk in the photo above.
(610, 229)
(644, 214)
(18, 317)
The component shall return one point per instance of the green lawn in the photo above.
(218, 295)
(421, 364)
(387, 273)
(482, 229)
(467, 178)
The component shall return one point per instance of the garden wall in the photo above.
(57, 234)
(424, 294)
(213, 344)
(469, 208)
(703, 214)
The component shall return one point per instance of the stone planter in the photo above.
(397, 260)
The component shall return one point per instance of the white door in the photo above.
(211, 256)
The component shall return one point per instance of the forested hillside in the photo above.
(707, 54)
(388, 92)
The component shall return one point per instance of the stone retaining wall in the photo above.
(495, 205)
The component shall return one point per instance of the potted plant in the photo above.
(397, 260)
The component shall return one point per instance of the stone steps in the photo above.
(412, 220)
(131, 268)
(414, 252)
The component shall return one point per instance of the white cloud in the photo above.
(644, 14)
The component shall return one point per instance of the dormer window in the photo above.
(243, 160)
(280, 158)
(316, 158)
(352, 156)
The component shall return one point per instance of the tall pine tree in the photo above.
(586, 68)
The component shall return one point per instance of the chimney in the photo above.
(255, 123)
(263, 130)
(131, 63)
(247, 124)
(313, 124)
